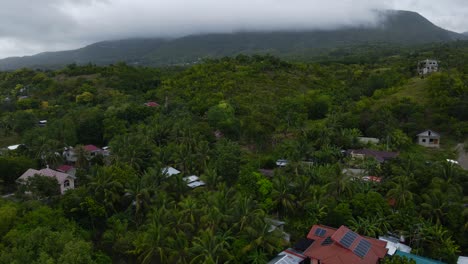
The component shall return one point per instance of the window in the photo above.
(66, 183)
(423, 140)
(431, 140)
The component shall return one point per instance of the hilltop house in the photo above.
(66, 181)
(429, 139)
(427, 66)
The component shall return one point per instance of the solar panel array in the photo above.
(327, 241)
(348, 239)
(362, 248)
(320, 232)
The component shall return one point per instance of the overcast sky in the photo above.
(31, 26)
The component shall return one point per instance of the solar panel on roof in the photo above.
(348, 239)
(323, 232)
(362, 248)
(320, 232)
(327, 241)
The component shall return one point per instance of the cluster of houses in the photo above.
(70, 155)
(192, 181)
(65, 174)
(327, 245)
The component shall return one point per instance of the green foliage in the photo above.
(43, 235)
(228, 160)
(266, 109)
(398, 260)
(11, 169)
(41, 186)
(85, 97)
(8, 214)
(222, 116)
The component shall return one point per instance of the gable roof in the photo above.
(151, 104)
(60, 176)
(91, 148)
(191, 178)
(428, 133)
(343, 246)
(65, 168)
(379, 155)
(169, 171)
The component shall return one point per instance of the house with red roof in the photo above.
(68, 169)
(343, 246)
(151, 104)
(92, 149)
(66, 181)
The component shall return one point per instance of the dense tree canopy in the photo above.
(229, 121)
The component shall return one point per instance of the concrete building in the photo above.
(429, 139)
(427, 66)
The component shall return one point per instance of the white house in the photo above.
(427, 66)
(66, 181)
(429, 139)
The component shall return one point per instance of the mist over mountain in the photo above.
(397, 28)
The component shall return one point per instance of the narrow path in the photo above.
(462, 156)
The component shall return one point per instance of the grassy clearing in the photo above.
(414, 89)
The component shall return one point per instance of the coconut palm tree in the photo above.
(401, 190)
(340, 185)
(106, 189)
(373, 226)
(151, 244)
(211, 248)
(245, 213)
(434, 206)
(139, 191)
(283, 198)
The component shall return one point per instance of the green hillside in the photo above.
(228, 121)
(397, 28)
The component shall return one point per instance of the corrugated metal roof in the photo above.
(428, 133)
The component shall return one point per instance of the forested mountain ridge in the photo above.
(224, 120)
(397, 28)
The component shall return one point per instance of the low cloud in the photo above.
(28, 27)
